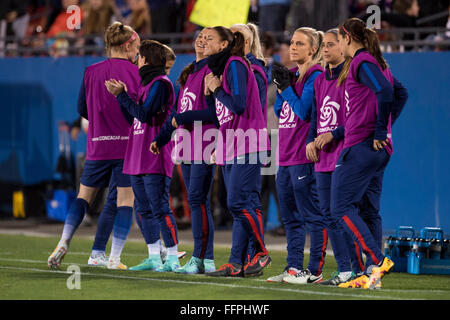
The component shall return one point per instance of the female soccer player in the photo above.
(198, 175)
(107, 138)
(151, 174)
(324, 143)
(367, 145)
(296, 185)
(234, 105)
(108, 221)
(253, 53)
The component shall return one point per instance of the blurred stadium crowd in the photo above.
(39, 28)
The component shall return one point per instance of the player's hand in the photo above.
(207, 79)
(323, 140)
(281, 76)
(114, 87)
(154, 148)
(379, 144)
(311, 152)
(174, 123)
(213, 157)
(214, 83)
(124, 86)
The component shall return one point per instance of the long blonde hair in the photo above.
(315, 41)
(250, 32)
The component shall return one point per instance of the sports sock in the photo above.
(97, 253)
(105, 225)
(154, 248)
(122, 226)
(74, 217)
(172, 251)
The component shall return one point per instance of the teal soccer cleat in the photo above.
(193, 266)
(171, 264)
(153, 262)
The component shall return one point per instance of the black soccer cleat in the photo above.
(255, 267)
(228, 270)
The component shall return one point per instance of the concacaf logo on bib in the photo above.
(187, 101)
(223, 113)
(137, 127)
(287, 117)
(347, 101)
(328, 115)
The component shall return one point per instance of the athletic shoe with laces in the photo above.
(337, 278)
(302, 277)
(151, 263)
(376, 273)
(193, 266)
(228, 270)
(115, 264)
(163, 254)
(100, 260)
(54, 260)
(358, 282)
(171, 264)
(279, 278)
(255, 267)
(209, 265)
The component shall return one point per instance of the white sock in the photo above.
(116, 247)
(63, 242)
(97, 253)
(67, 233)
(172, 251)
(344, 276)
(295, 269)
(154, 248)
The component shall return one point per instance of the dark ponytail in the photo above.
(372, 44)
(238, 45)
(356, 29)
(185, 74)
(236, 41)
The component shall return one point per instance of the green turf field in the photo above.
(24, 275)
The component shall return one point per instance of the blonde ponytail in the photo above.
(116, 35)
(255, 48)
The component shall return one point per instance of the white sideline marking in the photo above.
(362, 296)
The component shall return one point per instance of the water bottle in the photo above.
(445, 249)
(404, 243)
(423, 246)
(408, 246)
(435, 249)
(389, 244)
(396, 245)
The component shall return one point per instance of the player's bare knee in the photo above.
(125, 197)
(87, 193)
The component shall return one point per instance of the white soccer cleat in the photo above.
(54, 261)
(301, 277)
(115, 264)
(279, 278)
(100, 260)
